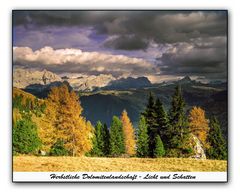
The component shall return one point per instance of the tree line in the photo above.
(60, 129)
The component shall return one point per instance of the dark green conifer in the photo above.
(106, 138)
(159, 150)
(218, 148)
(162, 121)
(25, 137)
(142, 138)
(98, 141)
(151, 117)
(178, 145)
(116, 137)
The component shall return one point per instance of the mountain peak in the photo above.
(25, 77)
(129, 82)
(186, 79)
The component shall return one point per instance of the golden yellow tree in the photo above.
(46, 126)
(199, 125)
(46, 123)
(129, 136)
(71, 127)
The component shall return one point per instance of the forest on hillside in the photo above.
(55, 126)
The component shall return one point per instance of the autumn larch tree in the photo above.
(116, 137)
(198, 124)
(129, 135)
(218, 147)
(46, 126)
(71, 127)
(142, 138)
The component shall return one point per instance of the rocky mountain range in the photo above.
(25, 77)
(89, 83)
(34, 79)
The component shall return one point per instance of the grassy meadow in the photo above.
(96, 164)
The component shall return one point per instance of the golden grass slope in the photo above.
(25, 96)
(94, 164)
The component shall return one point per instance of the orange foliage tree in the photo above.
(199, 125)
(71, 127)
(46, 126)
(129, 136)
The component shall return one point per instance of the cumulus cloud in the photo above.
(78, 61)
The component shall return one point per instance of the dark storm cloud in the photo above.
(62, 18)
(161, 26)
(207, 58)
(126, 42)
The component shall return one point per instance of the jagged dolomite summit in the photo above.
(24, 77)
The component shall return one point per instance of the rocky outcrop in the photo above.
(88, 83)
(198, 150)
(29, 78)
(25, 77)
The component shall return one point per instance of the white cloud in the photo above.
(78, 61)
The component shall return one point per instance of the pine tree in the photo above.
(106, 137)
(99, 136)
(25, 137)
(71, 127)
(142, 138)
(98, 142)
(198, 124)
(129, 136)
(162, 121)
(218, 147)
(177, 113)
(95, 150)
(58, 149)
(159, 151)
(116, 137)
(150, 117)
(179, 134)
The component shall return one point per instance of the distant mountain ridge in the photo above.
(33, 79)
(89, 83)
(129, 82)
